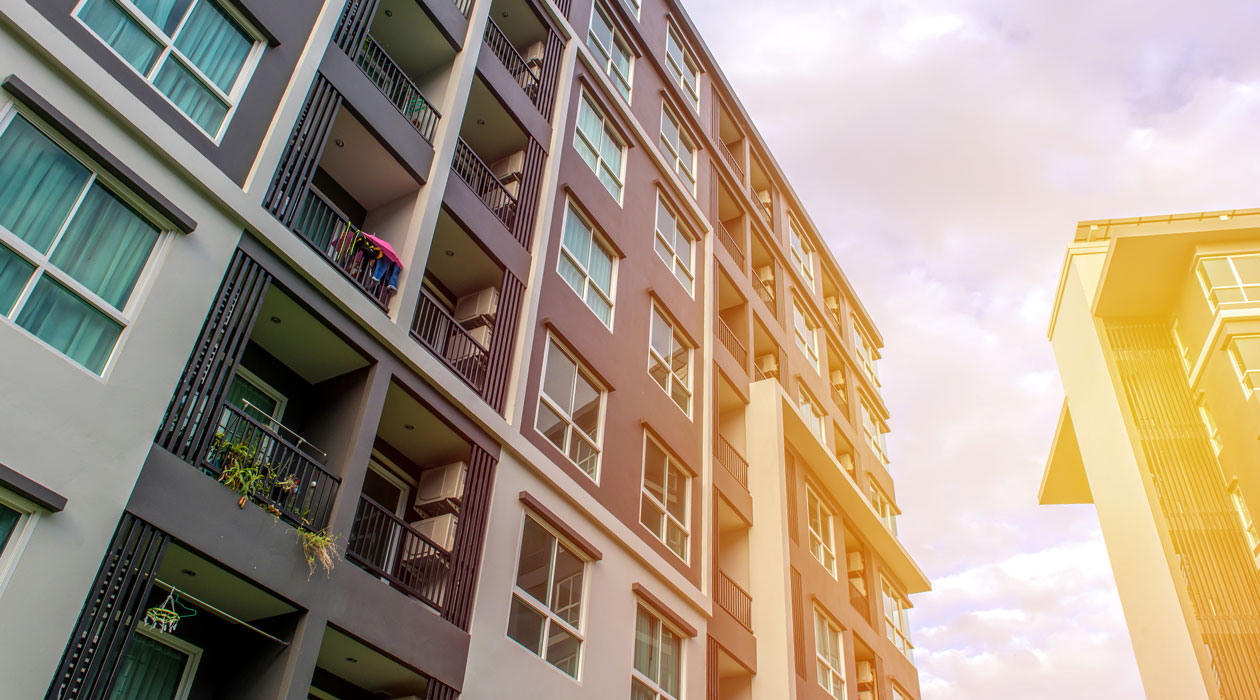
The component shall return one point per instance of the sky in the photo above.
(946, 149)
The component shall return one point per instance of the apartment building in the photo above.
(424, 349)
(1157, 335)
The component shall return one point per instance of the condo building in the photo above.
(400, 349)
(1156, 330)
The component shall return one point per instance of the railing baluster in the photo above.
(525, 75)
(444, 337)
(731, 245)
(734, 600)
(731, 342)
(398, 88)
(478, 176)
(384, 545)
(734, 463)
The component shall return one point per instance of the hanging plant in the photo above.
(320, 549)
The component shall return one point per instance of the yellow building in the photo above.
(1156, 330)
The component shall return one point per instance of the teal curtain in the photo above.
(191, 96)
(150, 671)
(8, 523)
(69, 324)
(106, 246)
(14, 272)
(215, 44)
(264, 406)
(116, 28)
(39, 184)
(164, 13)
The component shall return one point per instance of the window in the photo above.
(806, 334)
(1230, 279)
(883, 505)
(669, 360)
(1245, 353)
(71, 250)
(897, 694)
(657, 659)
(679, 148)
(197, 53)
(683, 66)
(811, 413)
(17, 519)
(256, 398)
(611, 49)
(1213, 432)
(865, 350)
(829, 650)
(570, 409)
(546, 615)
(157, 666)
(599, 146)
(874, 431)
(587, 265)
(665, 501)
(1244, 519)
(897, 620)
(674, 244)
(802, 252)
(822, 531)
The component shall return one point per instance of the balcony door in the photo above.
(389, 489)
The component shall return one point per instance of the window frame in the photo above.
(606, 53)
(882, 504)
(12, 549)
(672, 463)
(873, 429)
(598, 240)
(816, 419)
(662, 625)
(826, 541)
(1241, 286)
(802, 251)
(808, 346)
(829, 632)
(606, 131)
(688, 173)
(866, 352)
(1249, 378)
(192, 651)
(897, 618)
(675, 262)
(552, 342)
(232, 98)
(98, 176)
(672, 38)
(1209, 423)
(676, 336)
(549, 616)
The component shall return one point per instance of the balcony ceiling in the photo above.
(362, 166)
(498, 136)
(370, 670)
(218, 586)
(518, 22)
(469, 269)
(301, 342)
(411, 38)
(430, 443)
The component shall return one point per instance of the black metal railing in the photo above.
(732, 461)
(464, 6)
(398, 87)
(277, 474)
(527, 75)
(765, 290)
(484, 183)
(438, 331)
(734, 600)
(331, 233)
(384, 545)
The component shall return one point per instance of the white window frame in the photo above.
(1209, 423)
(662, 624)
(606, 132)
(182, 646)
(802, 250)
(544, 609)
(1245, 520)
(873, 429)
(605, 53)
(597, 241)
(811, 412)
(97, 176)
(806, 339)
(554, 343)
(1249, 377)
(672, 464)
(282, 401)
(675, 337)
(883, 505)
(11, 552)
(675, 263)
(865, 350)
(897, 619)
(673, 153)
(829, 633)
(232, 98)
(691, 65)
(824, 539)
(1239, 285)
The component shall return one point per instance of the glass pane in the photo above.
(610, 151)
(261, 405)
(1248, 268)
(164, 13)
(1218, 272)
(600, 268)
(584, 454)
(676, 539)
(69, 324)
(590, 123)
(577, 237)
(671, 662)
(39, 183)
(571, 274)
(116, 28)
(586, 407)
(150, 670)
(566, 588)
(676, 494)
(654, 470)
(551, 425)
(191, 96)
(661, 334)
(525, 625)
(587, 153)
(681, 396)
(382, 490)
(14, 273)
(563, 650)
(106, 246)
(652, 517)
(645, 659)
(215, 44)
(1227, 295)
(600, 29)
(658, 372)
(8, 523)
(638, 691)
(535, 561)
(600, 306)
(610, 182)
(558, 379)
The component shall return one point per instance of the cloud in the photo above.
(946, 149)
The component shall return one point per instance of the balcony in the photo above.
(526, 73)
(733, 599)
(730, 341)
(731, 161)
(385, 545)
(439, 331)
(731, 460)
(731, 244)
(398, 87)
(855, 559)
(483, 181)
(352, 251)
(522, 42)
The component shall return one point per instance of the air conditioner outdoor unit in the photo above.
(768, 364)
(765, 273)
(441, 530)
(534, 53)
(764, 197)
(833, 303)
(508, 170)
(855, 562)
(483, 302)
(837, 379)
(482, 335)
(866, 672)
(866, 695)
(441, 483)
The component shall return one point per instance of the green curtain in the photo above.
(116, 28)
(164, 13)
(150, 671)
(69, 324)
(191, 96)
(14, 272)
(106, 246)
(39, 184)
(241, 390)
(215, 44)
(8, 523)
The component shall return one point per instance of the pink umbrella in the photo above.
(385, 247)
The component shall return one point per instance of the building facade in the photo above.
(1155, 330)
(424, 349)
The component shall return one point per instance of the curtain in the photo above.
(150, 671)
(215, 44)
(39, 183)
(116, 28)
(8, 523)
(164, 13)
(14, 272)
(69, 324)
(263, 404)
(190, 95)
(106, 246)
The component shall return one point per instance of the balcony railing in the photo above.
(438, 331)
(278, 475)
(526, 74)
(398, 87)
(762, 205)
(732, 461)
(731, 342)
(731, 160)
(838, 399)
(473, 171)
(859, 601)
(732, 246)
(464, 6)
(384, 545)
(765, 290)
(331, 233)
(734, 600)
